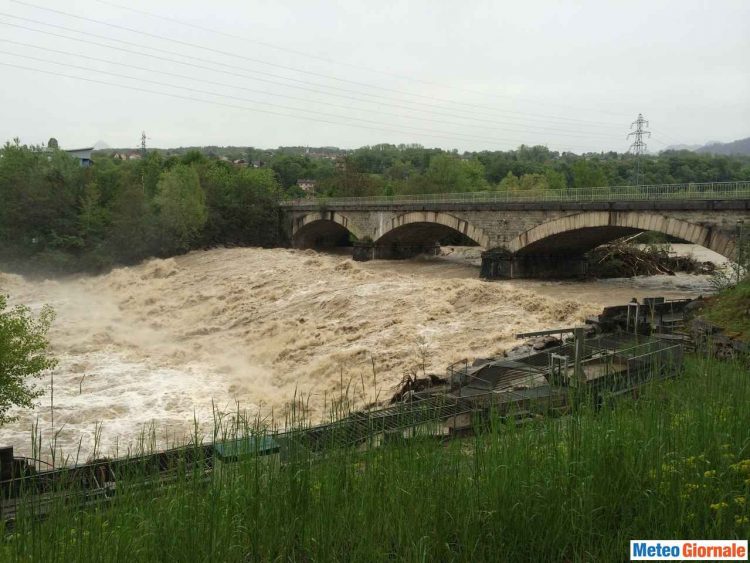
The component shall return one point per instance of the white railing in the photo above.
(691, 191)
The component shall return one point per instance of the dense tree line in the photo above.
(58, 216)
(413, 169)
(410, 169)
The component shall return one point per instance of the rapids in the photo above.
(169, 343)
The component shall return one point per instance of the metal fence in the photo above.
(692, 191)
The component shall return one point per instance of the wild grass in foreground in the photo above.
(675, 464)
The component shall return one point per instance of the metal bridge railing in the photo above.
(691, 191)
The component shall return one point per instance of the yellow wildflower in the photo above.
(719, 505)
(709, 474)
(740, 501)
(739, 520)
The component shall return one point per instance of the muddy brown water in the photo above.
(169, 342)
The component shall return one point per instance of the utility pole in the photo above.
(143, 155)
(740, 258)
(638, 147)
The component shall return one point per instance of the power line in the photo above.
(212, 68)
(417, 130)
(193, 99)
(413, 129)
(224, 104)
(266, 63)
(638, 147)
(223, 84)
(668, 137)
(312, 56)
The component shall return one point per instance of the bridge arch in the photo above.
(579, 233)
(322, 229)
(428, 227)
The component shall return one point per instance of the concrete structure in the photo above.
(83, 155)
(521, 239)
(307, 185)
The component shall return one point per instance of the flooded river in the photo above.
(173, 341)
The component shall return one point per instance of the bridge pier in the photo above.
(364, 251)
(503, 264)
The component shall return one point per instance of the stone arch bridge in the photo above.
(540, 238)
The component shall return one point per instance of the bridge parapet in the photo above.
(526, 237)
(709, 191)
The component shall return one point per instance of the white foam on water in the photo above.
(159, 342)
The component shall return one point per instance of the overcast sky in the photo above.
(470, 75)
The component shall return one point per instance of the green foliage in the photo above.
(59, 217)
(182, 207)
(241, 206)
(40, 193)
(588, 174)
(23, 355)
(510, 182)
(348, 181)
(132, 233)
(555, 180)
(449, 174)
(675, 463)
(730, 309)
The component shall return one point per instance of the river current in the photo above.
(172, 343)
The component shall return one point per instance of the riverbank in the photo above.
(675, 463)
(730, 310)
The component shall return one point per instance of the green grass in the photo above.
(731, 310)
(675, 464)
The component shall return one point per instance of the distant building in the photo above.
(307, 185)
(240, 162)
(126, 156)
(83, 155)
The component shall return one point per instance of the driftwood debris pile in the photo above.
(412, 384)
(622, 258)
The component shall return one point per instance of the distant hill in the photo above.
(683, 147)
(741, 146)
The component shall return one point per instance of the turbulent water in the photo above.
(170, 342)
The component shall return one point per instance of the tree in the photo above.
(242, 206)
(132, 233)
(182, 207)
(509, 183)
(588, 174)
(449, 174)
(348, 181)
(23, 355)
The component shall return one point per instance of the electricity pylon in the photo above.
(638, 147)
